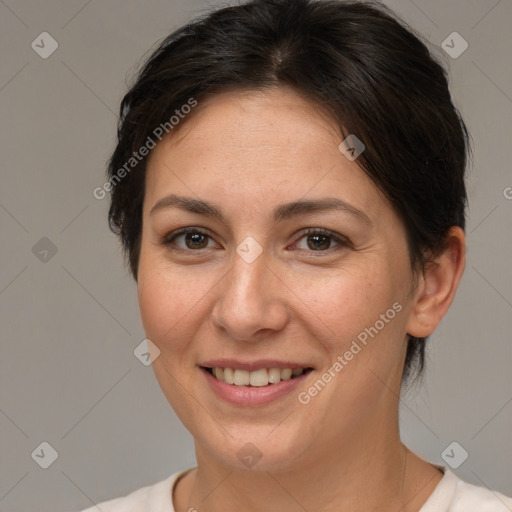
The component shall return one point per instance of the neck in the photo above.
(368, 472)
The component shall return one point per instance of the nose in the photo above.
(250, 300)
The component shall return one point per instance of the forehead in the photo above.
(272, 124)
(263, 146)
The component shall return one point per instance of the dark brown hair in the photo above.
(369, 71)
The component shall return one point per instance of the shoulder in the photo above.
(453, 494)
(151, 498)
(472, 497)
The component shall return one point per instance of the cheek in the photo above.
(168, 298)
(348, 302)
(362, 320)
(367, 346)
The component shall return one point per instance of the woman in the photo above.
(288, 185)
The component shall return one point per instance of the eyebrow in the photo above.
(282, 212)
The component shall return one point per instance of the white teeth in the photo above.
(229, 375)
(258, 378)
(286, 374)
(241, 377)
(255, 378)
(274, 375)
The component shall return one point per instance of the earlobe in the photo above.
(438, 285)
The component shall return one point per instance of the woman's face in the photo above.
(262, 286)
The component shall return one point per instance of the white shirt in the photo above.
(450, 495)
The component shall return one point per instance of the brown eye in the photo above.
(321, 240)
(196, 240)
(187, 239)
(318, 242)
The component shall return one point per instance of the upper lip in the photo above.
(252, 365)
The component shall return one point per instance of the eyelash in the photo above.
(168, 241)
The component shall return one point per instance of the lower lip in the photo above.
(253, 395)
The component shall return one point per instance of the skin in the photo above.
(248, 152)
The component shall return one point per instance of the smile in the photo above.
(256, 378)
(257, 387)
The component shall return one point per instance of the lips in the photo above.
(256, 393)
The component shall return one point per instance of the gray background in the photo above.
(69, 325)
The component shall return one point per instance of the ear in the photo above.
(437, 286)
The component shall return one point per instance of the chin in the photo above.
(259, 449)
